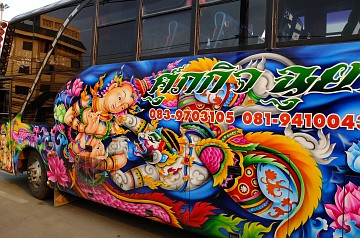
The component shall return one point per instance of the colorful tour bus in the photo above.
(230, 118)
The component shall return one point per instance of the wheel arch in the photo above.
(24, 155)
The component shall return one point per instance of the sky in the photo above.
(17, 7)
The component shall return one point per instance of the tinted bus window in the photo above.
(166, 33)
(117, 31)
(111, 11)
(154, 6)
(116, 42)
(313, 20)
(22, 62)
(19, 62)
(220, 25)
(71, 54)
(4, 101)
(231, 24)
(255, 22)
(83, 25)
(336, 22)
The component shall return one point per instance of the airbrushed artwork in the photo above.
(244, 144)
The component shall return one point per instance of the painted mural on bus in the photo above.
(251, 144)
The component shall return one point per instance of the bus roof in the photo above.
(44, 9)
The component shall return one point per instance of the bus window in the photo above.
(255, 22)
(313, 20)
(207, 1)
(4, 100)
(352, 25)
(165, 33)
(71, 54)
(116, 43)
(154, 6)
(168, 33)
(220, 25)
(81, 28)
(231, 24)
(336, 22)
(114, 11)
(22, 63)
(117, 31)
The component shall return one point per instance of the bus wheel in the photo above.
(37, 178)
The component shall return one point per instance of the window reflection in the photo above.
(220, 25)
(117, 31)
(111, 11)
(255, 22)
(352, 25)
(208, 1)
(154, 6)
(232, 24)
(71, 54)
(312, 20)
(84, 22)
(336, 22)
(5, 87)
(116, 43)
(166, 34)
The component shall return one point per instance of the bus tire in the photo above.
(37, 178)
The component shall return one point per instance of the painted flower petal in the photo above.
(52, 178)
(339, 197)
(333, 211)
(351, 203)
(350, 187)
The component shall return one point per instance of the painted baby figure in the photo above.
(95, 117)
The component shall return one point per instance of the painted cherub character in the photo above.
(96, 116)
(93, 113)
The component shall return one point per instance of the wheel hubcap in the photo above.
(34, 174)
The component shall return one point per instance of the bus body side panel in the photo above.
(239, 144)
(226, 145)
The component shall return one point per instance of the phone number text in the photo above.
(205, 116)
(302, 120)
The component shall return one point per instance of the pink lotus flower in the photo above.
(75, 88)
(171, 66)
(346, 200)
(57, 171)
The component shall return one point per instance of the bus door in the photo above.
(6, 163)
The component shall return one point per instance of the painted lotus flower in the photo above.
(57, 171)
(75, 88)
(171, 66)
(353, 157)
(350, 198)
(59, 112)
